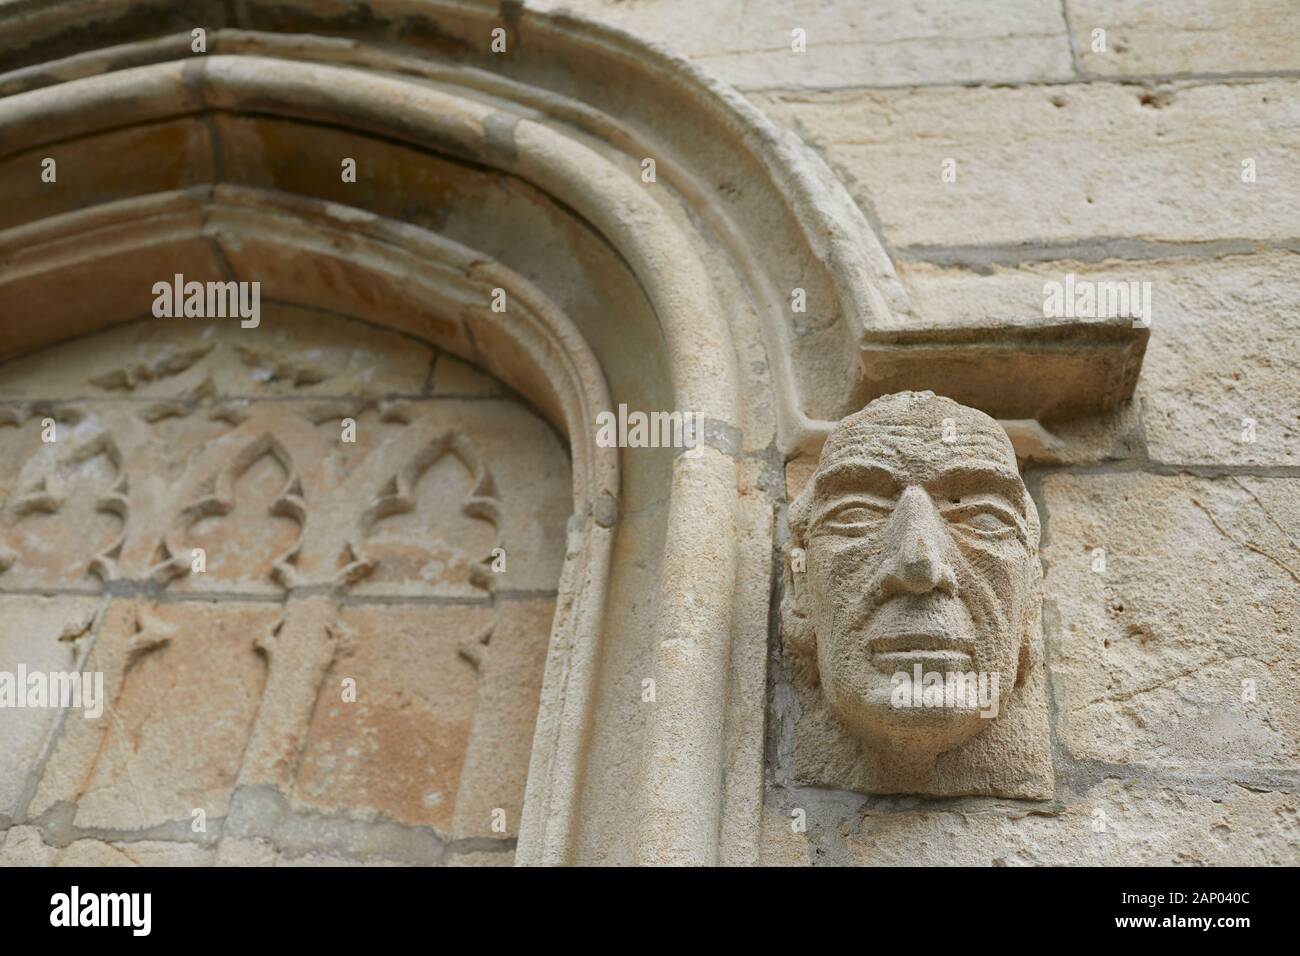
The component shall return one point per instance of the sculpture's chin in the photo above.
(922, 731)
(890, 722)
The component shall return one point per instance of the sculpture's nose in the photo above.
(916, 559)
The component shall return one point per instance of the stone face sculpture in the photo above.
(912, 608)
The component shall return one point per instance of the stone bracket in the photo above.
(1044, 372)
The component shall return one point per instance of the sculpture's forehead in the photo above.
(919, 452)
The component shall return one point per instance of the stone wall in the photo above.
(1122, 164)
(989, 150)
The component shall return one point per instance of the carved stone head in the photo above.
(919, 579)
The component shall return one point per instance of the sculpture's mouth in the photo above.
(933, 652)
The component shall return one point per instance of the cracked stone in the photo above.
(1183, 653)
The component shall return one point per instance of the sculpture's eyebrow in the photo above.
(851, 477)
(953, 482)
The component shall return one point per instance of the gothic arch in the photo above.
(521, 171)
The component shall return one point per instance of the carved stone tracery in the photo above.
(302, 645)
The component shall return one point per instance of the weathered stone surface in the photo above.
(134, 853)
(202, 358)
(1219, 353)
(1187, 36)
(246, 540)
(183, 682)
(1098, 163)
(20, 435)
(58, 519)
(25, 847)
(430, 550)
(174, 155)
(161, 410)
(1222, 365)
(246, 851)
(416, 695)
(445, 699)
(496, 758)
(454, 377)
(1007, 298)
(326, 859)
(22, 846)
(41, 635)
(872, 43)
(747, 682)
(483, 858)
(258, 852)
(1143, 826)
(1199, 595)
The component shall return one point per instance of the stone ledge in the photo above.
(1045, 372)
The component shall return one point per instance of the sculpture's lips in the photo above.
(931, 651)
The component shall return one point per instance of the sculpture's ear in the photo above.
(796, 625)
(796, 609)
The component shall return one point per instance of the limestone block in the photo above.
(1222, 367)
(183, 683)
(134, 853)
(124, 162)
(440, 732)
(1180, 650)
(25, 847)
(1050, 371)
(1219, 356)
(1052, 164)
(874, 43)
(22, 846)
(509, 679)
(398, 749)
(1187, 36)
(41, 635)
(1143, 826)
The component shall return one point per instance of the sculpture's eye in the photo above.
(853, 516)
(987, 518)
